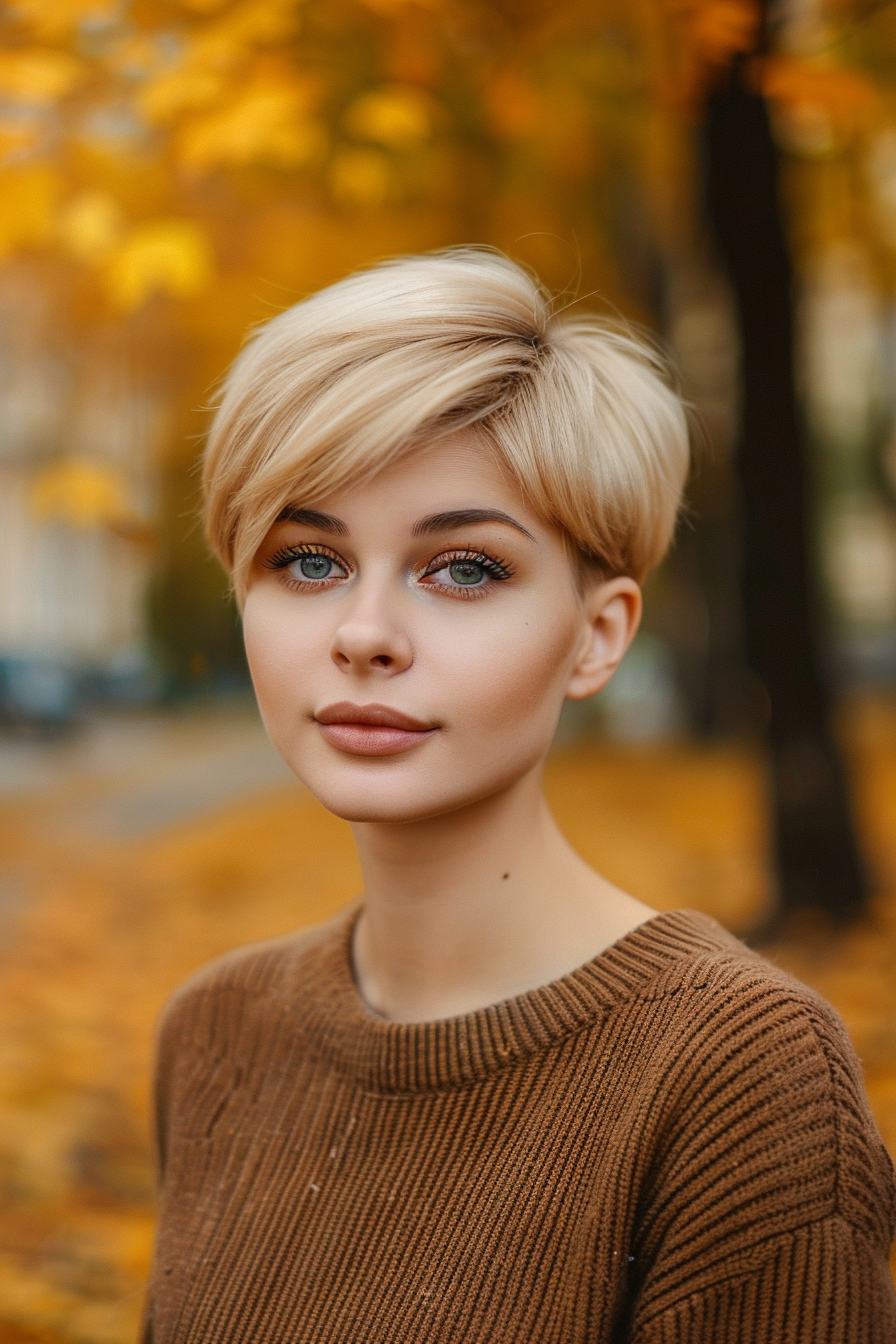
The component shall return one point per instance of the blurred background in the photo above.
(721, 172)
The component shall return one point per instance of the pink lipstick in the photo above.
(371, 730)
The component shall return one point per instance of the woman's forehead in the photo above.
(455, 476)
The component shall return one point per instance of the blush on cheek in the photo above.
(276, 664)
(519, 689)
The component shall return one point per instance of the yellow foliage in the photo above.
(719, 28)
(511, 104)
(398, 116)
(266, 123)
(18, 134)
(89, 225)
(243, 29)
(82, 494)
(52, 19)
(845, 95)
(170, 256)
(38, 75)
(203, 6)
(185, 89)
(29, 201)
(391, 8)
(360, 177)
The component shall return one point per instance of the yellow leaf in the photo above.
(18, 134)
(170, 256)
(242, 31)
(82, 494)
(165, 97)
(512, 105)
(51, 19)
(38, 75)
(398, 116)
(390, 8)
(89, 226)
(796, 83)
(360, 177)
(266, 124)
(29, 201)
(717, 29)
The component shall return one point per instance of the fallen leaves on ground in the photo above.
(104, 931)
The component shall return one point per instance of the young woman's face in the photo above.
(411, 641)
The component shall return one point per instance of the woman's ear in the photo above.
(611, 616)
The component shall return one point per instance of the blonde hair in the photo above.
(389, 360)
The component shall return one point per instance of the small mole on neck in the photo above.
(505, 875)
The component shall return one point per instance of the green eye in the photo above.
(315, 566)
(467, 572)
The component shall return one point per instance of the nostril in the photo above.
(383, 660)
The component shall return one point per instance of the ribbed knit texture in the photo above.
(671, 1145)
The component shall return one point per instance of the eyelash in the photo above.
(496, 568)
(286, 554)
(281, 559)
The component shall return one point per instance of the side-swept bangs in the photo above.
(390, 360)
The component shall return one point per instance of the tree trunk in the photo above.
(819, 862)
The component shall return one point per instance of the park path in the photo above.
(133, 854)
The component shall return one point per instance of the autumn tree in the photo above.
(174, 170)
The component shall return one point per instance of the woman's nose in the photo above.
(364, 645)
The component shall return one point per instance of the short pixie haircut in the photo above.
(390, 360)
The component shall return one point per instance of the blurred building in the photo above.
(77, 447)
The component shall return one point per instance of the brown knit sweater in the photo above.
(671, 1145)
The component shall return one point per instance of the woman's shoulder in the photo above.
(765, 1164)
(247, 978)
(742, 1029)
(729, 993)
(765, 1092)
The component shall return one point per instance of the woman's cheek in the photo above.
(515, 675)
(277, 653)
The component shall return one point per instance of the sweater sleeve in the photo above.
(823, 1284)
(770, 1208)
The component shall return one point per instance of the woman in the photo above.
(499, 1100)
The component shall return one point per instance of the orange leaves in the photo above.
(254, 25)
(38, 75)
(266, 122)
(173, 92)
(226, 100)
(80, 493)
(111, 925)
(89, 226)
(395, 8)
(53, 20)
(366, 105)
(165, 256)
(158, 256)
(820, 101)
(511, 103)
(360, 177)
(397, 116)
(29, 203)
(719, 29)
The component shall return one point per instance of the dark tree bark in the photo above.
(819, 862)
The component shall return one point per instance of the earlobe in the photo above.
(611, 616)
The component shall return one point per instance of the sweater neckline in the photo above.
(454, 1052)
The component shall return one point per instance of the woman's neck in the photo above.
(467, 909)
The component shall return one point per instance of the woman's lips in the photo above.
(371, 730)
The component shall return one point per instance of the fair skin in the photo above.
(460, 637)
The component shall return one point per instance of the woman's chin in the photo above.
(379, 800)
(392, 810)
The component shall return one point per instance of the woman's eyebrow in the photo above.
(441, 522)
(324, 522)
